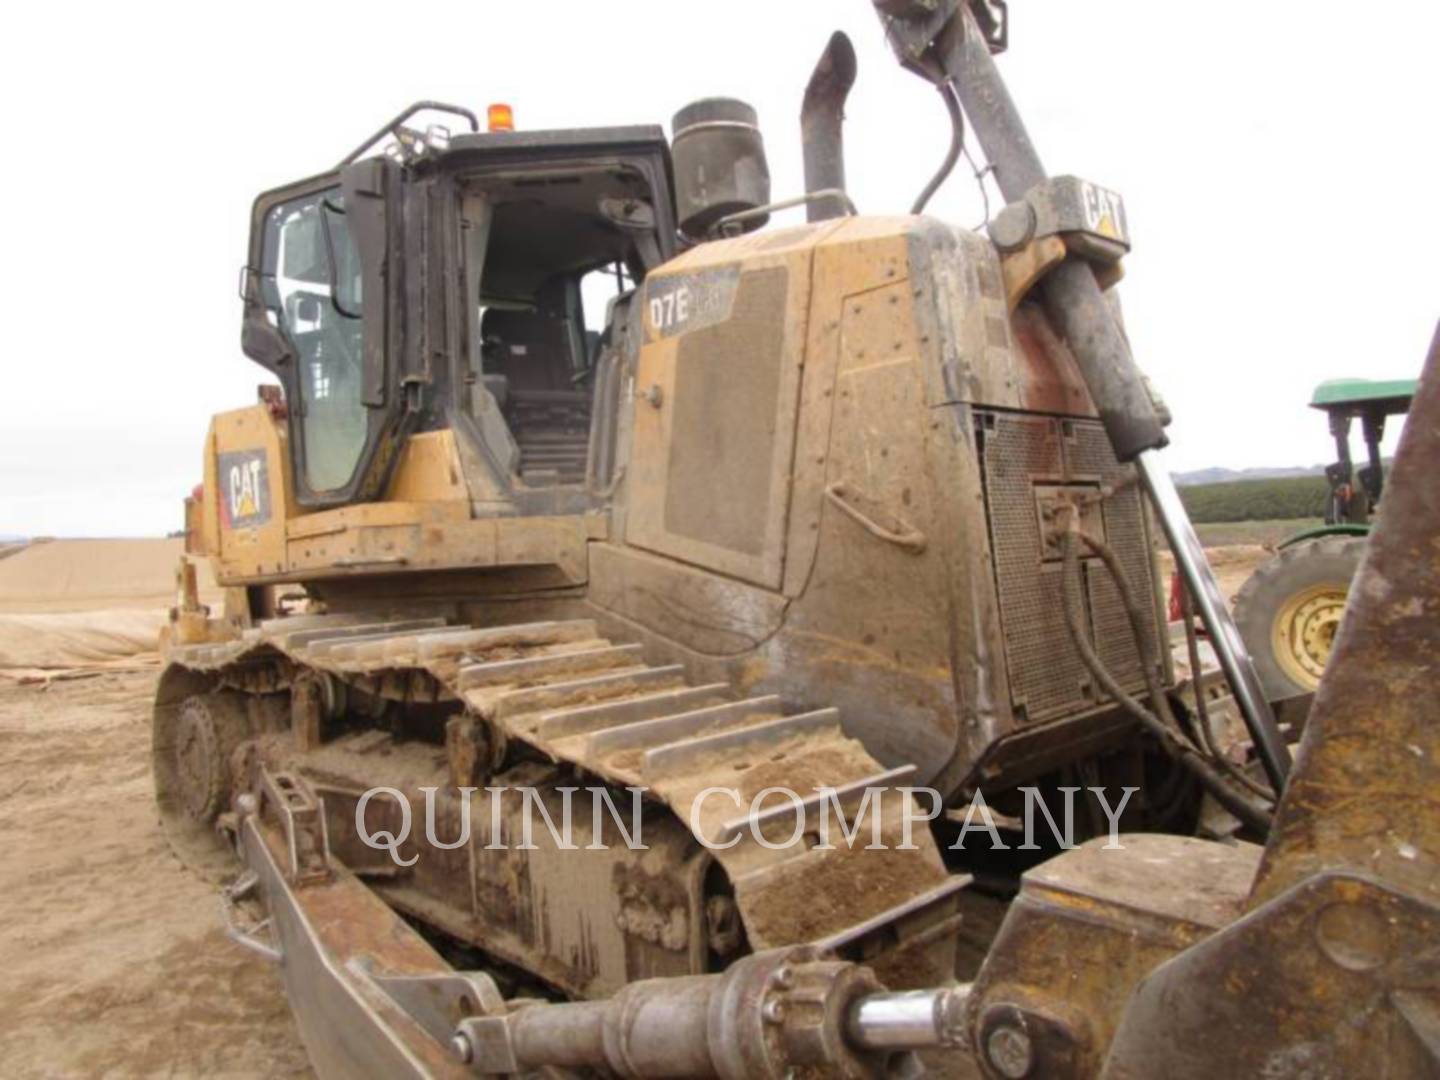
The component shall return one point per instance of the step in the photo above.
(302, 639)
(374, 646)
(207, 655)
(284, 624)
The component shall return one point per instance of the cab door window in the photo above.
(313, 295)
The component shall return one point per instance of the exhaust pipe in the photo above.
(822, 120)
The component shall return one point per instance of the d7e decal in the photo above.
(689, 302)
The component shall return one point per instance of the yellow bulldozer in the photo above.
(650, 637)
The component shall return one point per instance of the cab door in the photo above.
(319, 298)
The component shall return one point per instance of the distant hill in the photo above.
(1225, 476)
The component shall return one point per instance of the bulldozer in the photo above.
(587, 508)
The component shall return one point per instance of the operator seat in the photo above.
(549, 416)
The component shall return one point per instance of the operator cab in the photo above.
(550, 259)
(471, 284)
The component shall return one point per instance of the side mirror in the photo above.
(993, 18)
(262, 342)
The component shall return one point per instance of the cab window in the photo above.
(312, 291)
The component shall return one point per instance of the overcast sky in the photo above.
(1280, 174)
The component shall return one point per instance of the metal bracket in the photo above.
(248, 936)
(1091, 219)
(439, 1003)
(303, 818)
(728, 224)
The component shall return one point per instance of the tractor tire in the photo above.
(1289, 611)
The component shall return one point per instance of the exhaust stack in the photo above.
(822, 120)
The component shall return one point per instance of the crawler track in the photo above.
(558, 691)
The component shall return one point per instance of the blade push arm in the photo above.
(956, 50)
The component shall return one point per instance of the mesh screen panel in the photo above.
(1020, 454)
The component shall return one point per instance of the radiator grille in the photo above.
(1019, 455)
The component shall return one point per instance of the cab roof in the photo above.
(1387, 395)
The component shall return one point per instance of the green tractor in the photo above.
(1289, 610)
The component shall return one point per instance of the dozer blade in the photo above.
(338, 944)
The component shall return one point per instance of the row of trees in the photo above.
(1282, 498)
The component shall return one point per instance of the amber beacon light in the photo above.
(500, 117)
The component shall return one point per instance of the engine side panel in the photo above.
(717, 382)
(914, 590)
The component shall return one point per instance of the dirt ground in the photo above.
(1232, 563)
(114, 958)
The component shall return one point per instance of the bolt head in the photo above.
(461, 1048)
(1010, 1052)
(1013, 227)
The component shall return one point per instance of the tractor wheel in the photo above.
(1290, 609)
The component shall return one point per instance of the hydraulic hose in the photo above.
(1137, 621)
(952, 155)
(1202, 709)
(1238, 803)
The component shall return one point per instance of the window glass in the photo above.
(597, 290)
(314, 295)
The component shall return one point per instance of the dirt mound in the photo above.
(87, 604)
(89, 575)
(77, 639)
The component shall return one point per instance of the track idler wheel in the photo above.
(193, 746)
